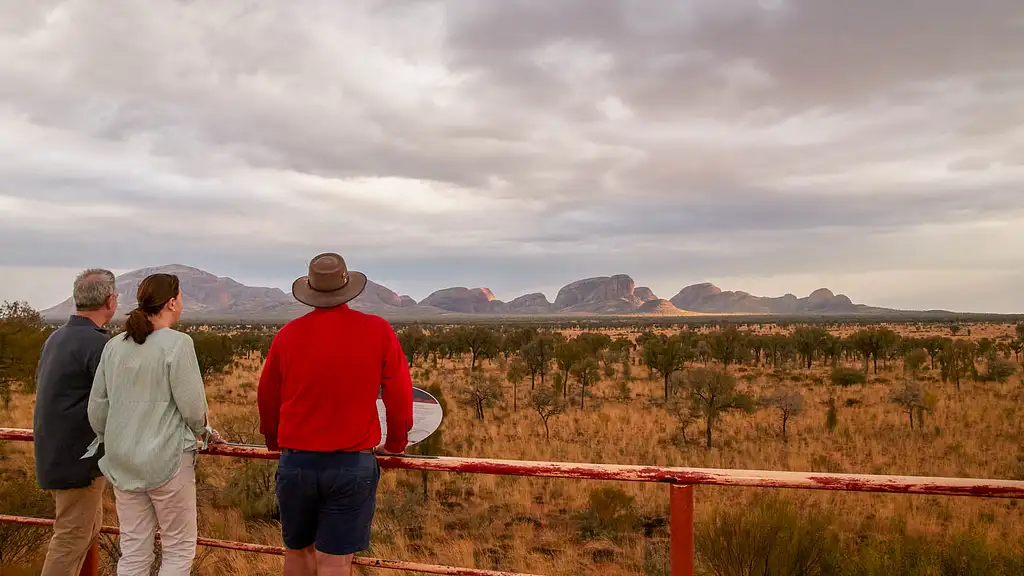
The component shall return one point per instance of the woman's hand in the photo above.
(215, 437)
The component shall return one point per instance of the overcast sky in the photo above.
(875, 147)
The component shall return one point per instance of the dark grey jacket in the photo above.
(61, 421)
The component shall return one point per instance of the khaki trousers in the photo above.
(172, 507)
(78, 521)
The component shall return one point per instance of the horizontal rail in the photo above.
(988, 488)
(279, 551)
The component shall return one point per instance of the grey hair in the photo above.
(92, 288)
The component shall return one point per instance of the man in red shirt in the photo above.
(318, 405)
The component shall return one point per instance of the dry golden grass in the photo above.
(530, 525)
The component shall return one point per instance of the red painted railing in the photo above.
(681, 481)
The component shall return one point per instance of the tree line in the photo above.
(23, 331)
(694, 367)
(560, 370)
(541, 353)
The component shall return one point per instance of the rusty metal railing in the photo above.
(279, 551)
(680, 480)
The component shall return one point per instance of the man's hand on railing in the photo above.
(381, 451)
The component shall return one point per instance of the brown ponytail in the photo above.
(154, 293)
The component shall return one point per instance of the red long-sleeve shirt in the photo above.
(320, 383)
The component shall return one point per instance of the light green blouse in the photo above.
(147, 406)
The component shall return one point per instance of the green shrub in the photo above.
(611, 515)
(914, 555)
(625, 393)
(252, 490)
(215, 352)
(20, 496)
(656, 560)
(831, 415)
(844, 376)
(773, 537)
(22, 334)
(1000, 369)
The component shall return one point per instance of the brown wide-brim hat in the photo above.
(329, 282)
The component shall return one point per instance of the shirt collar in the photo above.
(76, 320)
(332, 309)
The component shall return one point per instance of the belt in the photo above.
(294, 451)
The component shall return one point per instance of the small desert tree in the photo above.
(513, 341)
(809, 340)
(608, 361)
(912, 399)
(516, 373)
(482, 342)
(789, 403)
(832, 348)
(665, 355)
(863, 343)
(547, 402)
(986, 347)
(874, 343)
(435, 345)
(933, 346)
(623, 347)
(1017, 347)
(727, 345)
(593, 343)
(703, 350)
(481, 392)
(414, 343)
(957, 360)
(586, 372)
(713, 392)
(683, 411)
(22, 335)
(566, 355)
(538, 354)
(913, 362)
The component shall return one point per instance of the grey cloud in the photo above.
(816, 52)
(970, 164)
(724, 212)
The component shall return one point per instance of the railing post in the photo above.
(681, 530)
(91, 567)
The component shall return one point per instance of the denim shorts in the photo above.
(327, 499)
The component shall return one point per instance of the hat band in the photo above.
(344, 282)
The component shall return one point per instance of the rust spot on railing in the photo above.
(20, 434)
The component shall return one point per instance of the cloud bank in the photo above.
(772, 146)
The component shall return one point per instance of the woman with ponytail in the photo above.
(147, 407)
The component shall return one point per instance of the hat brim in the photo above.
(303, 293)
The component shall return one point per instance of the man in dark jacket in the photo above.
(61, 424)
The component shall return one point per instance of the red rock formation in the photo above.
(604, 294)
(464, 300)
(645, 294)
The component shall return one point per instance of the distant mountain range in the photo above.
(211, 297)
